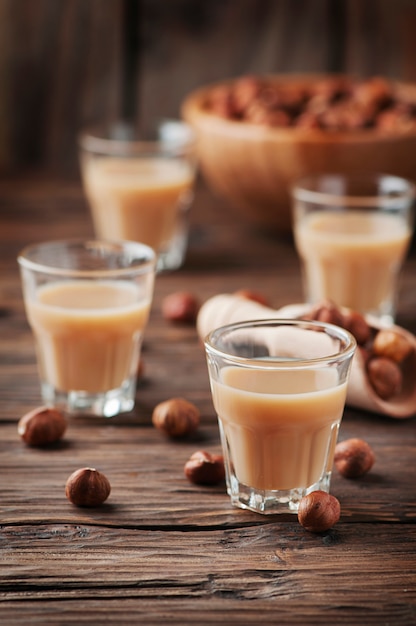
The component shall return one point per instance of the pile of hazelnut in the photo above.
(331, 104)
(385, 350)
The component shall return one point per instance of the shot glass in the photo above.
(88, 304)
(279, 389)
(352, 234)
(141, 190)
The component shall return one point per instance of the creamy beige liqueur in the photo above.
(352, 258)
(87, 333)
(137, 199)
(281, 430)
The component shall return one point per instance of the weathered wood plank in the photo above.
(218, 610)
(278, 567)
(149, 487)
(162, 549)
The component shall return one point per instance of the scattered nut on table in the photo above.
(42, 426)
(319, 511)
(87, 487)
(204, 468)
(353, 457)
(180, 307)
(176, 417)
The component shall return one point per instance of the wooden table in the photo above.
(162, 550)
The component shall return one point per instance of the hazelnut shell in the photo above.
(358, 326)
(385, 377)
(353, 457)
(180, 307)
(42, 426)
(319, 511)
(87, 487)
(204, 468)
(391, 344)
(176, 417)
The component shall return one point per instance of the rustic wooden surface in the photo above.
(162, 550)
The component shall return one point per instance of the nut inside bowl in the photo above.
(252, 162)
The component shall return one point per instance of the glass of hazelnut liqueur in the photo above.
(352, 234)
(279, 389)
(141, 190)
(88, 303)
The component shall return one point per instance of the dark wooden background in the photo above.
(64, 63)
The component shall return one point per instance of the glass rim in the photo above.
(145, 262)
(406, 190)
(276, 363)
(96, 139)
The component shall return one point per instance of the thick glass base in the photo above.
(172, 256)
(105, 404)
(171, 259)
(274, 501)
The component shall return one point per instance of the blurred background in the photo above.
(65, 63)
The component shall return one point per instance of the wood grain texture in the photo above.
(161, 549)
(61, 61)
(131, 453)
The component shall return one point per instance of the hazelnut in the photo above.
(221, 103)
(180, 306)
(260, 113)
(244, 91)
(385, 377)
(204, 468)
(308, 119)
(375, 91)
(353, 458)
(345, 116)
(319, 511)
(176, 417)
(329, 313)
(342, 104)
(391, 344)
(42, 426)
(358, 326)
(255, 296)
(87, 487)
(396, 120)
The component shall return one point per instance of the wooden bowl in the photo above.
(253, 166)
